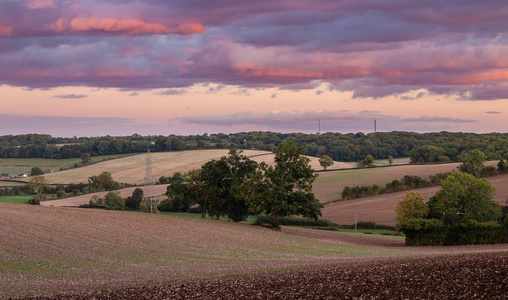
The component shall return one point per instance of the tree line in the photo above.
(422, 148)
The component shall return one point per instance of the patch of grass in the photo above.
(21, 165)
(373, 231)
(21, 199)
(250, 219)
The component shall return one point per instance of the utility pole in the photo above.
(375, 126)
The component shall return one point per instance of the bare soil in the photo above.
(381, 209)
(95, 254)
(481, 276)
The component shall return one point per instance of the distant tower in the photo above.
(149, 197)
(319, 126)
(375, 126)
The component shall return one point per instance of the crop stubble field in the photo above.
(131, 169)
(104, 254)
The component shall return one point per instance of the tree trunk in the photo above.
(274, 217)
(202, 211)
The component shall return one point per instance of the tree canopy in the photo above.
(411, 206)
(465, 197)
(285, 188)
(428, 147)
(326, 161)
(473, 162)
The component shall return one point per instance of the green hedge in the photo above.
(424, 232)
(433, 232)
(474, 232)
(292, 221)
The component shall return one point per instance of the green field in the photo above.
(22, 199)
(22, 165)
(372, 231)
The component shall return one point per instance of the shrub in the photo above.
(366, 225)
(36, 200)
(165, 205)
(96, 201)
(113, 201)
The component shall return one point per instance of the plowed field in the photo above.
(100, 254)
(381, 209)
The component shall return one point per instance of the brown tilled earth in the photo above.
(68, 253)
(481, 276)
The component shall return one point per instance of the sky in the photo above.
(119, 67)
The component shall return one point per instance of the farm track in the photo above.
(481, 276)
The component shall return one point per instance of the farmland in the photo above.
(23, 165)
(329, 185)
(48, 250)
(131, 169)
(381, 209)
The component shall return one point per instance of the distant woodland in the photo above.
(422, 148)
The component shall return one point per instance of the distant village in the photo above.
(22, 175)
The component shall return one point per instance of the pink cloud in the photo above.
(5, 30)
(121, 26)
(40, 4)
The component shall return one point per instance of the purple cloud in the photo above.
(70, 96)
(369, 47)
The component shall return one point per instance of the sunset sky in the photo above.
(119, 67)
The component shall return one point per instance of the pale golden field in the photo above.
(131, 169)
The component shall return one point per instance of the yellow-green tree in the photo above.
(411, 206)
(325, 161)
(37, 184)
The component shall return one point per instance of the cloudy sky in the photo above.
(118, 67)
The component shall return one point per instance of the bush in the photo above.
(165, 205)
(96, 201)
(366, 225)
(36, 200)
(113, 201)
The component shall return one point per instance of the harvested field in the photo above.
(381, 209)
(85, 199)
(23, 165)
(131, 169)
(329, 185)
(50, 250)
